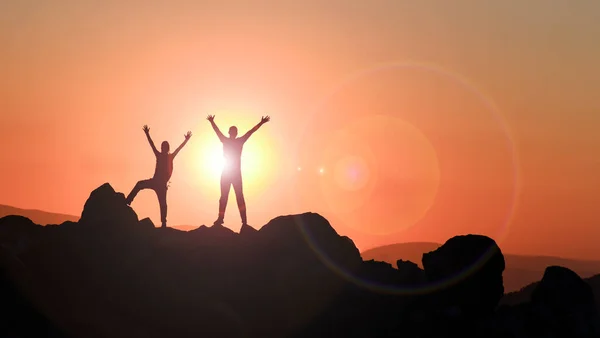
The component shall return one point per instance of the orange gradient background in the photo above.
(428, 119)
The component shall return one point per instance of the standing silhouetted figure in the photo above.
(232, 172)
(162, 174)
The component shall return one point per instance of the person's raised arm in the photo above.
(147, 132)
(187, 138)
(263, 120)
(211, 119)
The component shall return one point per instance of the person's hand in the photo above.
(210, 118)
(265, 119)
(188, 135)
(146, 129)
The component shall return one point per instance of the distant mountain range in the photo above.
(37, 216)
(521, 270)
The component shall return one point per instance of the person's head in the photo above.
(164, 147)
(233, 131)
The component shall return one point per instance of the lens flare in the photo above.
(351, 173)
(374, 155)
(347, 175)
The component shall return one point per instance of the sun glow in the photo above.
(258, 164)
(213, 161)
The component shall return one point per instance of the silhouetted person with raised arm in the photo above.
(232, 172)
(162, 174)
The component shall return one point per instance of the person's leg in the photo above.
(161, 193)
(239, 196)
(141, 185)
(225, 187)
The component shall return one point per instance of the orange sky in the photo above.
(445, 110)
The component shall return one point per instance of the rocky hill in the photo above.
(113, 275)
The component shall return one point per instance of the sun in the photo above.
(213, 160)
(258, 164)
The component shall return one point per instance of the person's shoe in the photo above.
(164, 225)
(218, 222)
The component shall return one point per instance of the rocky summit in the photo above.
(113, 275)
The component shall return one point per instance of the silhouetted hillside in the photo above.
(521, 270)
(113, 275)
(524, 294)
(37, 216)
(49, 218)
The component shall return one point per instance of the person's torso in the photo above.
(232, 151)
(164, 167)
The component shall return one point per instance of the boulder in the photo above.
(468, 272)
(311, 233)
(567, 301)
(107, 209)
(147, 223)
(561, 289)
(562, 305)
(309, 264)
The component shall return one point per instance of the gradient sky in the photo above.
(429, 118)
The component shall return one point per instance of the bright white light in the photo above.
(321, 171)
(213, 162)
(224, 164)
(299, 168)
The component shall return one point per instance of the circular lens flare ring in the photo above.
(351, 173)
(383, 166)
(511, 145)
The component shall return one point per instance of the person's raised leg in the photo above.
(225, 187)
(161, 193)
(239, 197)
(141, 185)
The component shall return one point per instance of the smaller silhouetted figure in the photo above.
(232, 172)
(162, 174)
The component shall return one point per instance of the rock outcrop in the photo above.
(110, 275)
(566, 303)
(107, 208)
(469, 271)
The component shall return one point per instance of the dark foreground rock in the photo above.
(469, 270)
(111, 275)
